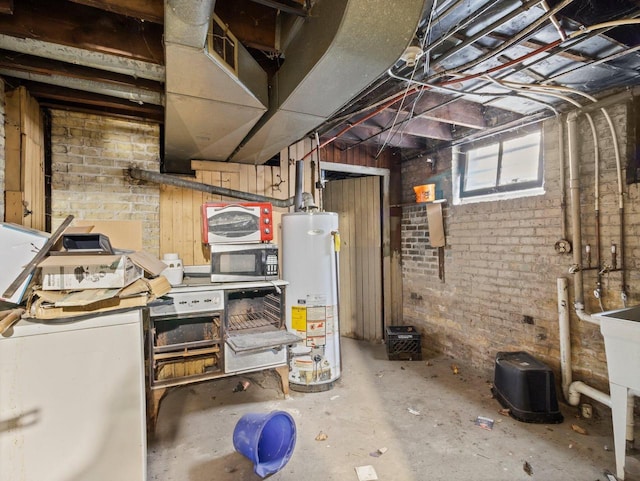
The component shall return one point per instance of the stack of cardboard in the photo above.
(70, 284)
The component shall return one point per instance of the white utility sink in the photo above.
(621, 331)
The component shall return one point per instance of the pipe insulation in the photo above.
(158, 178)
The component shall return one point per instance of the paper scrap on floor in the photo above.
(366, 473)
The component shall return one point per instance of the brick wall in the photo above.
(89, 156)
(499, 291)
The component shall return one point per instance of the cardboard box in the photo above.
(18, 247)
(74, 272)
(57, 304)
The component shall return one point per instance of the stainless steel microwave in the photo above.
(244, 262)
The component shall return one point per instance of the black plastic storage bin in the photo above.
(526, 386)
(403, 343)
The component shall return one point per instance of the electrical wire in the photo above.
(523, 33)
(415, 68)
(382, 105)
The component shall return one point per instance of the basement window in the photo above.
(504, 167)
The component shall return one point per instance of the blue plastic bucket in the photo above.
(266, 439)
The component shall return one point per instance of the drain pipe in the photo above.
(299, 187)
(573, 389)
(574, 196)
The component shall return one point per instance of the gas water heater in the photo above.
(310, 245)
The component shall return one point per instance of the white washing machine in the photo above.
(72, 400)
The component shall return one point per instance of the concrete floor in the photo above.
(420, 411)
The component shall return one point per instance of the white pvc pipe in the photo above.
(578, 387)
(630, 414)
(565, 335)
(570, 389)
(584, 316)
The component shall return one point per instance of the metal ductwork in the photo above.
(342, 48)
(213, 113)
(209, 107)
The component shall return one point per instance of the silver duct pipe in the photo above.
(188, 21)
(330, 60)
(299, 187)
(158, 178)
(210, 104)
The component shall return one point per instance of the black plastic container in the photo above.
(403, 343)
(526, 386)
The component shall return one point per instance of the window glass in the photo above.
(511, 162)
(520, 159)
(482, 165)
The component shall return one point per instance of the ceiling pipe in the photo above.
(554, 21)
(465, 23)
(157, 178)
(481, 85)
(513, 40)
(485, 31)
(441, 85)
(484, 84)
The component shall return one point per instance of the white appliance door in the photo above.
(72, 403)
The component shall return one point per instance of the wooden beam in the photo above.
(447, 109)
(369, 133)
(253, 24)
(87, 28)
(284, 6)
(417, 126)
(40, 65)
(6, 7)
(51, 96)
(461, 112)
(147, 10)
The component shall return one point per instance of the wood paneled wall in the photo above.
(357, 202)
(180, 209)
(24, 175)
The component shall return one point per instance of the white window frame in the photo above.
(511, 191)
